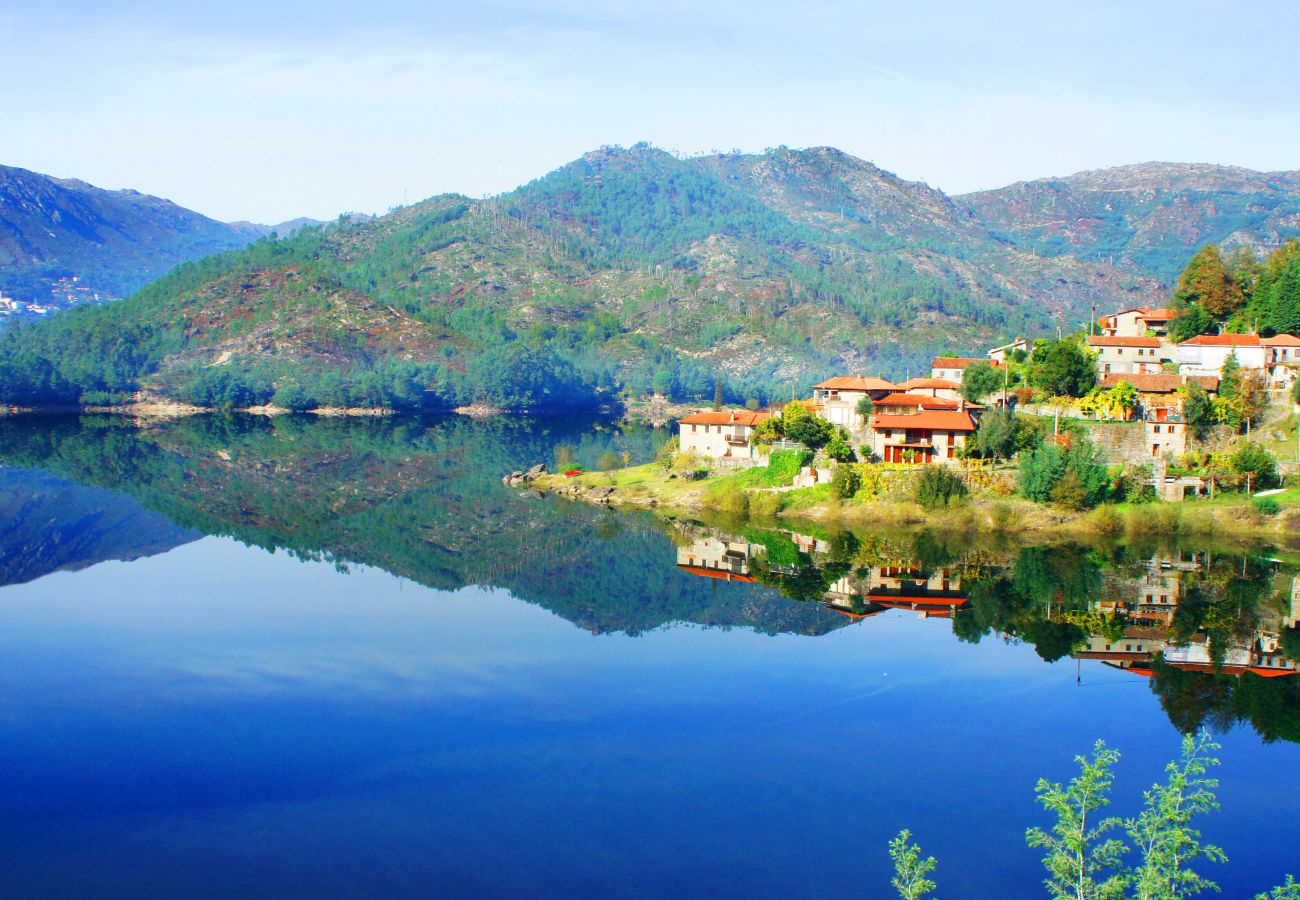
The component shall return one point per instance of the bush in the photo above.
(1070, 492)
(1267, 506)
(938, 487)
(764, 503)
(839, 450)
(1040, 469)
(608, 461)
(728, 496)
(1253, 460)
(663, 456)
(844, 482)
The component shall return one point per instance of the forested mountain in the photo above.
(626, 269)
(1146, 217)
(112, 242)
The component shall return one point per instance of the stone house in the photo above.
(1140, 321)
(836, 399)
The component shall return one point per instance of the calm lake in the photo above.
(254, 658)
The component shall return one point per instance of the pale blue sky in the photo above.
(268, 110)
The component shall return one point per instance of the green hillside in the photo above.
(629, 269)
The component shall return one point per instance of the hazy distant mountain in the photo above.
(63, 241)
(637, 269)
(1148, 217)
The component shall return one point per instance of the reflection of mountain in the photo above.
(421, 500)
(49, 525)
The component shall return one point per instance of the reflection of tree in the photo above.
(1191, 699)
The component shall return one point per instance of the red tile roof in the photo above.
(1101, 340)
(961, 362)
(1223, 340)
(725, 417)
(928, 420)
(918, 400)
(714, 573)
(1157, 315)
(930, 384)
(1159, 384)
(855, 383)
(1282, 340)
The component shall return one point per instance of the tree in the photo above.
(1080, 864)
(910, 870)
(1207, 283)
(1040, 469)
(1198, 409)
(978, 381)
(1063, 369)
(866, 406)
(717, 393)
(996, 435)
(1190, 321)
(845, 481)
(1163, 834)
(799, 424)
(1254, 460)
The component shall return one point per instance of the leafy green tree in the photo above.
(845, 481)
(1063, 368)
(978, 381)
(911, 872)
(1207, 283)
(1255, 460)
(1081, 863)
(996, 435)
(1040, 469)
(800, 424)
(1163, 834)
(1190, 321)
(1198, 409)
(866, 407)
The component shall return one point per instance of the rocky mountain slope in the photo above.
(1147, 218)
(55, 230)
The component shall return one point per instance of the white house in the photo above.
(721, 434)
(1206, 353)
(1140, 321)
(952, 368)
(836, 399)
(1000, 354)
(1127, 355)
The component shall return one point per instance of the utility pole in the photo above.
(1092, 319)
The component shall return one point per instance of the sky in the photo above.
(266, 111)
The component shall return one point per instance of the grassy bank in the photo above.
(762, 494)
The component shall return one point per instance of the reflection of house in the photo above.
(1140, 321)
(717, 557)
(836, 399)
(1133, 650)
(721, 434)
(928, 436)
(1206, 353)
(1196, 657)
(1127, 355)
(940, 388)
(936, 594)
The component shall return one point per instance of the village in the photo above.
(1149, 402)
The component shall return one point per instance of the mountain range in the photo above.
(638, 269)
(55, 230)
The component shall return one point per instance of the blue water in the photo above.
(219, 720)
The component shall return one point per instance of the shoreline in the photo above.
(649, 488)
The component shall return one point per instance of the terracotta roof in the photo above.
(1282, 340)
(1223, 340)
(855, 383)
(714, 573)
(1159, 384)
(726, 417)
(961, 362)
(931, 384)
(919, 400)
(1157, 315)
(1100, 340)
(929, 419)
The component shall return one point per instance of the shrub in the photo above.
(839, 450)
(1040, 469)
(1000, 515)
(1106, 519)
(1070, 492)
(608, 461)
(938, 487)
(764, 503)
(844, 482)
(1253, 460)
(728, 496)
(1267, 506)
(664, 456)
